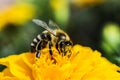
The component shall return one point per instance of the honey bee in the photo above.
(53, 36)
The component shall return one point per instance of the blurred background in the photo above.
(93, 23)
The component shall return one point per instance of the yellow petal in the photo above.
(83, 64)
(18, 65)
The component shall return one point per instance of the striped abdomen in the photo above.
(40, 41)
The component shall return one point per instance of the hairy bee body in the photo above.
(51, 38)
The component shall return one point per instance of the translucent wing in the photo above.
(44, 25)
(53, 25)
(41, 23)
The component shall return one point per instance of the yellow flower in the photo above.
(15, 12)
(83, 64)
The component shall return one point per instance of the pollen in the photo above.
(82, 64)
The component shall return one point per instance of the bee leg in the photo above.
(50, 45)
(63, 51)
(57, 47)
(51, 53)
(61, 48)
(38, 54)
(41, 45)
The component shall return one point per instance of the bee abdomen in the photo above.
(40, 41)
(35, 42)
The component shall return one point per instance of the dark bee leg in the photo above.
(41, 45)
(38, 54)
(63, 51)
(62, 47)
(51, 53)
(57, 47)
(50, 45)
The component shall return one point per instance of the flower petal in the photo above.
(18, 65)
(83, 64)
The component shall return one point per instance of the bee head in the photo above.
(65, 46)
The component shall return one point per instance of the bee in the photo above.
(53, 36)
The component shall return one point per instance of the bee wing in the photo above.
(44, 25)
(53, 25)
